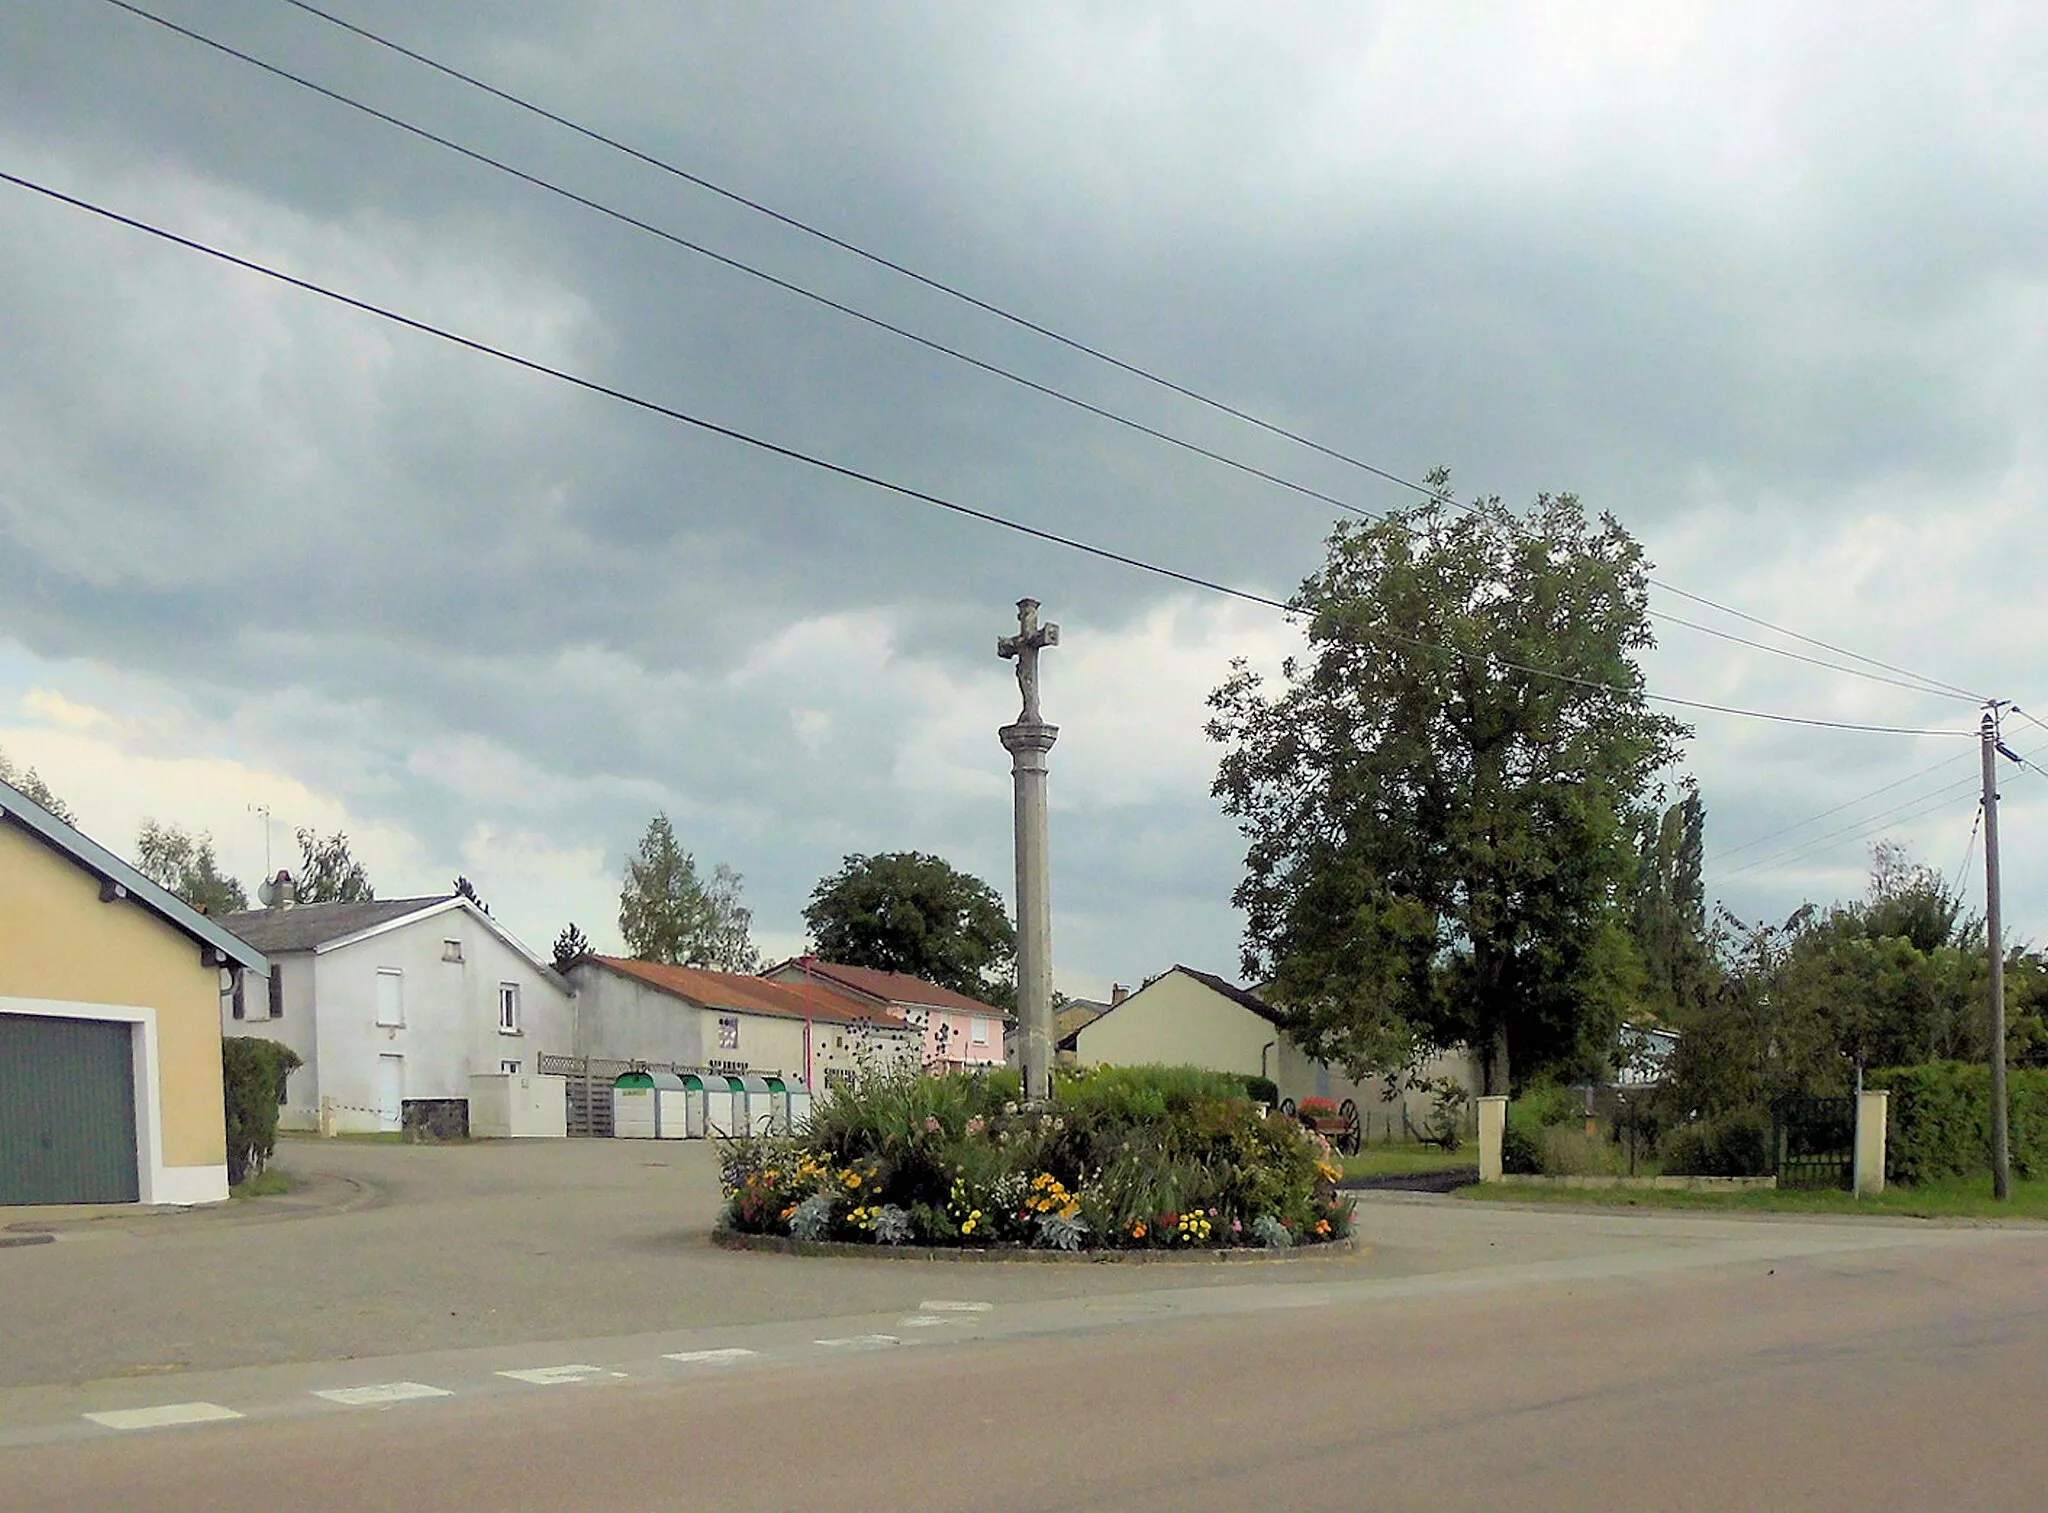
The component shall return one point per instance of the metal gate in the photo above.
(67, 1111)
(1813, 1141)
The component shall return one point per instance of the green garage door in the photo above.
(67, 1111)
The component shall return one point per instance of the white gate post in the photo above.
(1868, 1171)
(1493, 1125)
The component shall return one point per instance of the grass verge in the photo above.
(1959, 1198)
(1400, 1160)
(271, 1182)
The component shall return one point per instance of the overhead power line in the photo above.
(951, 506)
(1860, 798)
(1906, 680)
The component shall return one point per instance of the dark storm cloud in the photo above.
(1744, 266)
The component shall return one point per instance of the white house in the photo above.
(1188, 1018)
(393, 1005)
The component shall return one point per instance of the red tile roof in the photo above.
(751, 995)
(888, 987)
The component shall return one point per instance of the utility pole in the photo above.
(2001, 1151)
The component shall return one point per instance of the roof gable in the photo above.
(1223, 988)
(118, 880)
(309, 927)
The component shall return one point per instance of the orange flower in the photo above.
(1137, 1231)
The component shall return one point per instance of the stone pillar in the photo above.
(1493, 1130)
(326, 1117)
(1872, 1107)
(1028, 743)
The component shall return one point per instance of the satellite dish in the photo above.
(266, 894)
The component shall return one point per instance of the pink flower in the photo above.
(931, 1126)
(976, 1125)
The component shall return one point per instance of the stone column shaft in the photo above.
(1028, 745)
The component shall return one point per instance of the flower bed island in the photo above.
(1121, 1158)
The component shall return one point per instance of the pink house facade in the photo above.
(960, 1033)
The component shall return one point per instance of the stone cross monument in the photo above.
(1028, 741)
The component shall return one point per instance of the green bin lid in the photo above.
(635, 1079)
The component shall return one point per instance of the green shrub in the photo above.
(1737, 1144)
(1564, 1150)
(1940, 1120)
(1519, 1153)
(252, 1086)
(1262, 1090)
(1548, 1104)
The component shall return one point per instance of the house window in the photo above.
(390, 997)
(980, 1032)
(509, 1068)
(239, 1008)
(728, 1032)
(451, 950)
(276, 991)
(508, 1008)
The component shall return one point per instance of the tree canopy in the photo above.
(329, 872)
(1442, 801)
(571, 946)
(184, 863)
(31, 786)
(908, 911)
(668, 913)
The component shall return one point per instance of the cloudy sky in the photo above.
(1766, 281)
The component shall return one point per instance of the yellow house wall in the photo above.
(1176, 1021)
(57, 940)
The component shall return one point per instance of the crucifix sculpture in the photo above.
(1028, 741)
(1030, 640)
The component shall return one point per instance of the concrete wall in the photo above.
(1300, 1077)
(771, 1044)
(1177, 1021)
(843, 1050)
(504, 1107)
(619, 1018)
(60, 945)
(451, 1017)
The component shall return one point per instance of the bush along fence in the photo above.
(1940, 1122)
(1119, 1158)
(253, 1071)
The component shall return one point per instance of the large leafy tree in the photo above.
(185, 864)
(31, 786)
(908, 911)
(329, 872)
(1669, 909)
(668, 913)
(1441, 802)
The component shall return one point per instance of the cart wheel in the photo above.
(1349, 1142)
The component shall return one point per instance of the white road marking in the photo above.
(940, 1305)
(556, 1376)
(710, 1357)
(861, 1340)
(383, 1392)
(926, 1321)
(165, 1416)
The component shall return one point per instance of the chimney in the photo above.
(1117, 994)
(283, 891)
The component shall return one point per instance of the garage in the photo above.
(67, 1111)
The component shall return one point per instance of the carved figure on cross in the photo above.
(1031, 638)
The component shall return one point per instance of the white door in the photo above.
(390, 1092)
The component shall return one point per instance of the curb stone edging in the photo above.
(1649, 1184)
(11, 1242)
(729, 1239)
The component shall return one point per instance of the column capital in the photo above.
(1028, 736)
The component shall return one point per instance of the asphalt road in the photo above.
(501, 1243)
(1800, 1366)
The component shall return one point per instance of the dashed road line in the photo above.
(164, 1416)
(943, 1305)
(928, 1321)
(382, 1393)
(711, 1357)
(859, 1341)
(559, 1376)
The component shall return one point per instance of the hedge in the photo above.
(253, 1071)
(1940, 1120)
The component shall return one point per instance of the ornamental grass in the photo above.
(1121, 1158)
